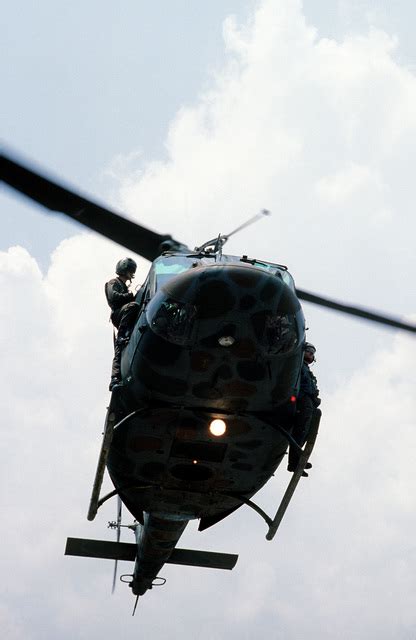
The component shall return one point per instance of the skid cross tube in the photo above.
(290, 439)
(116, 492)
(250, 504)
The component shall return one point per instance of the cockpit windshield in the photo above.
(166, 267)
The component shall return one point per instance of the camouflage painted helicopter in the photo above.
(210, 378)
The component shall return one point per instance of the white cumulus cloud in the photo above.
(322, 132)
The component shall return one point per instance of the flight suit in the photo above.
(308, 400)
(124, 312)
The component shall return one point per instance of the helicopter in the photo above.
(210, 378)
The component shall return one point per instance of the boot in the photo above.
(115, 369)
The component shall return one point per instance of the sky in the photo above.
(189, 118)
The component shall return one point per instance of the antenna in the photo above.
(215, 245)
(135, 606)
(263, 212)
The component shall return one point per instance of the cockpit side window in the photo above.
(287, 278)
(278, 271)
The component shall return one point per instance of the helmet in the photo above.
(309, 347)
(125, 266)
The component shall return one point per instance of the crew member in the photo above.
(307, 402)
(124, 311)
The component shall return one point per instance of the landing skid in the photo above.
(109, 425)
(274, 523)
(313, 432)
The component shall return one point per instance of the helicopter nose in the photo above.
(257, 304)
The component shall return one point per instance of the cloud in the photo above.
(322, 132)
(313, 129)
(341, 186)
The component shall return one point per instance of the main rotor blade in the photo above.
(355, 311)
(53, 196)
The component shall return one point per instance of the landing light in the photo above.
(218, 427)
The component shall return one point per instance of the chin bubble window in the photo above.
(171, 320)
(278, 333)
(281, 335)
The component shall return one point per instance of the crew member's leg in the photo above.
(300, 430)
(127, 318)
